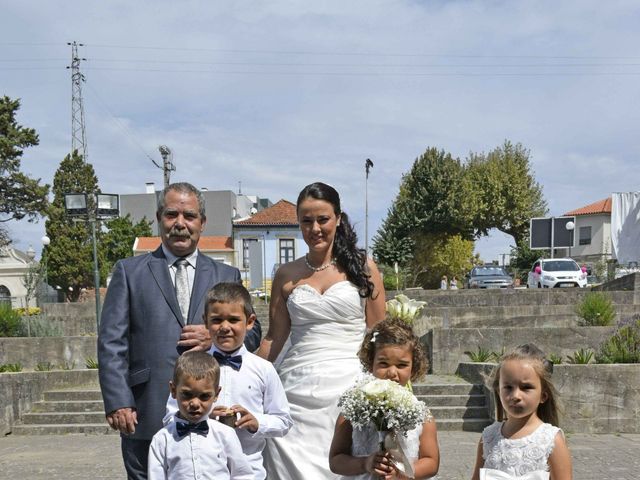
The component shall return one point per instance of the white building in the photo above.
(592, 232)
(13, 267)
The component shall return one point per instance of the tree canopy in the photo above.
(20, 195)
(445, 204)
(117, 242)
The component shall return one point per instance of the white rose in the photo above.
(376, 388)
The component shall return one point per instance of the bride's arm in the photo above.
(279, 321)
(375, 309)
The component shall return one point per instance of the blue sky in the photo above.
(279, 94)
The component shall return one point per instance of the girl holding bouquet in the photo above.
(390, 352)
(527, 444)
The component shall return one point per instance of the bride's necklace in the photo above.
(321, 267)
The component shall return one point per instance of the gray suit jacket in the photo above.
(139, 329)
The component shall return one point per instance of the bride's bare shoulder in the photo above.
(289, 275)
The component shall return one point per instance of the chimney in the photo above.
(150, 187)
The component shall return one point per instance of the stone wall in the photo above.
(595, 398)
(61, 352)
(447, 346)
(72, 318)
(18, 391)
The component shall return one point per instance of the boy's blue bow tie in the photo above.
(201, 427)
(234, 362)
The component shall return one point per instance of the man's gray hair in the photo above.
(182, 187)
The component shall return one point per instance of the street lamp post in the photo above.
(45, 243)
(105, 206)
(570, 226)
(368, 164)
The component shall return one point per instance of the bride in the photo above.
(323, 302)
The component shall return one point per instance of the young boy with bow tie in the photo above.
(251, 399)
(193, 446)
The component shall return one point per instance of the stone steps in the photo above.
(73, 410)
(455, 403)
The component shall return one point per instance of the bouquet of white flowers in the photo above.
(390, 407)
(384, 403)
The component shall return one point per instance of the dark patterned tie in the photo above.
(234, 362)
(182, 287)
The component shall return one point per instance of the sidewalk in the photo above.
(595, 457)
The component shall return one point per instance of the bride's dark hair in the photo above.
(348, 256)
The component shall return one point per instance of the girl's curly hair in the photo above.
(394, 332)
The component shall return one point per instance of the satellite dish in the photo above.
(253, 210)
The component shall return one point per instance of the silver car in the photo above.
(489, 276)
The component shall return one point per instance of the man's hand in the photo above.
(194, 337)
(124, 420)
(247, 420)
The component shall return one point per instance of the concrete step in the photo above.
(68, 406)
(453, 400)
(69, 418)
(458, 413)
(63, 429)
(461, 388)
(91, 393)
(464, 425)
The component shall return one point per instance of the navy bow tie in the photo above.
(201, 427)
(234, 362)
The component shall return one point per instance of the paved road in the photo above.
(595, 457)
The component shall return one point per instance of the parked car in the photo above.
(489, 276)
(556, 272)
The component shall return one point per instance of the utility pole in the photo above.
(167, 164)
(78, 133)
(368, 164)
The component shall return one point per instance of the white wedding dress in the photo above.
(321, 363)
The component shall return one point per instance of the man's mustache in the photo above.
(179, 234)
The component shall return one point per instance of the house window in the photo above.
(5, 295)
(585, 236)
(245, 250)
(287, 250)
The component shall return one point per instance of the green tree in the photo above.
(441, 254)
(20, 195)
(430, 201)
(69, 256)
(117, 242)
(503, 191)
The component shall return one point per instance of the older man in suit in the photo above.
(152, 312)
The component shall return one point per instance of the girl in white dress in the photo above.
(525, 443)
(323, 303)
(390, 351)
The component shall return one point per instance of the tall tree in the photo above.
(20, 195)
(504, 191)
(69, 256)
(430, 201)
(117, 242)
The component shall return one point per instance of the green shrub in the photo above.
(67, 366)
(555, 358)
(10, 321)
(481, 356)
(622, 347)
(40, 327)
(596, 310)
(44, 366)
(10, 367)
(91, 363)
(581, 357)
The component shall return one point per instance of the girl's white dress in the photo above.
(522, 457)
(321, 363)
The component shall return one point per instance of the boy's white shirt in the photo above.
(216, 456)
(256, 387)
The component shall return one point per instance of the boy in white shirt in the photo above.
(251, 398)
(193, 446)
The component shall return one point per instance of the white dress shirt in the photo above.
(216, 456)
(256, 387)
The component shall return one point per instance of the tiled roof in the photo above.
(149, 244)
(601, 206)
(281, 213)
